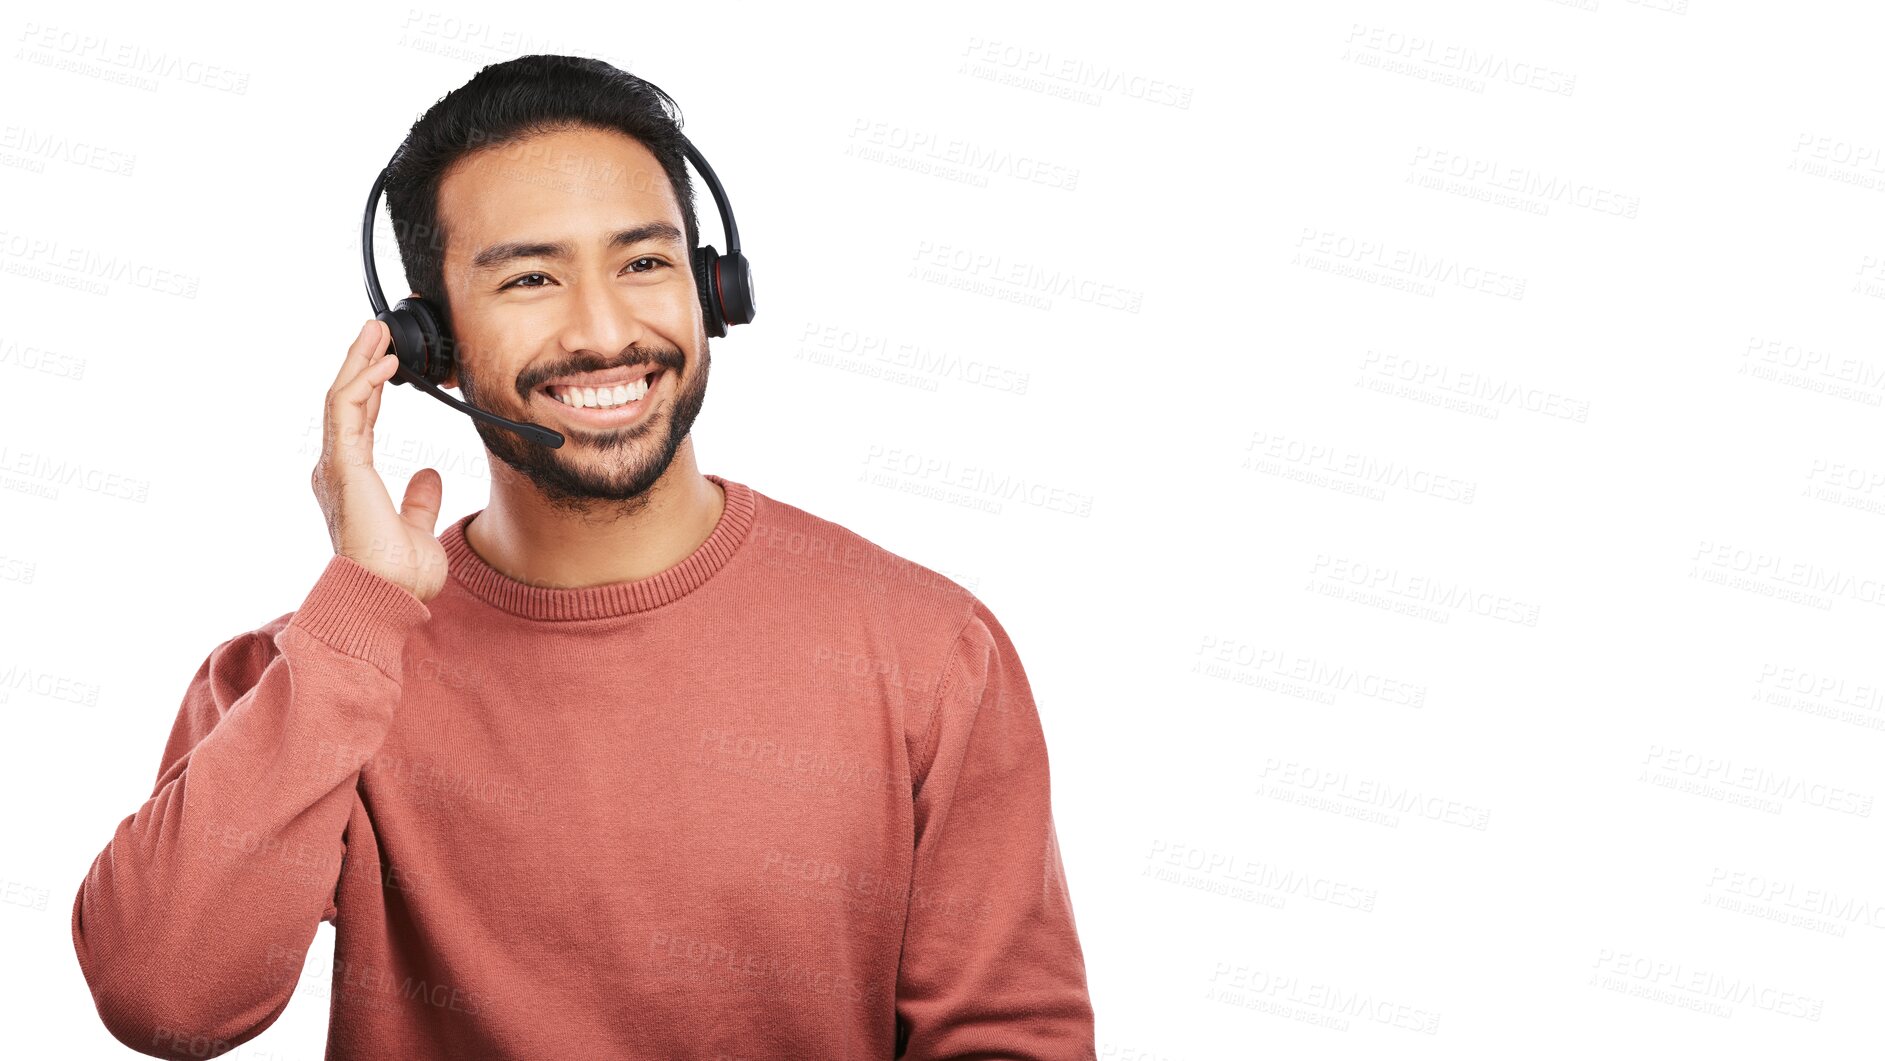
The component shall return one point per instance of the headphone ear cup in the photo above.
(704, 272)
(441, 357)
(419, 340)
(735, 282)
(408, 342)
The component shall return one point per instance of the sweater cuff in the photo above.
(361, 614)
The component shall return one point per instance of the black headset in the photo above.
(425, 348)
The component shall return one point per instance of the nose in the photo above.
(603, 320)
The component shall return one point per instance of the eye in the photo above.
(519, 282)
(638, 261)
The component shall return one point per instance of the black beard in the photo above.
(648, 447)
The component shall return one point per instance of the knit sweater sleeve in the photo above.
(991, 965)
(193, 923)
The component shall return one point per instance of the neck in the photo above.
(524, 537)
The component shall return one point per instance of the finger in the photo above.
(380, 358)
(373, 404)
(424, 493)
(349, 429)
(364, 348)
(354, 481)
(360, 355)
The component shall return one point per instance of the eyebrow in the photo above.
(502, 253)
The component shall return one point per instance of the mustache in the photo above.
(527, 382)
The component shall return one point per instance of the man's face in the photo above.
(567, 270)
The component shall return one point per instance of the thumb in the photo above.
(420, 509)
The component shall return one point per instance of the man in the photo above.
(632, 762)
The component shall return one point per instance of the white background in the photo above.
(1474, 408)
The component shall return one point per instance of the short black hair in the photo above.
(508, 102)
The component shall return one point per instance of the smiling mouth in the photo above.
(617, 390)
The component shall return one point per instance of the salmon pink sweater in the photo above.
(786, 799)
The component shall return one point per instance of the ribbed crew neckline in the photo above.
(499, 590)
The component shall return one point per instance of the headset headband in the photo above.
(376, 296)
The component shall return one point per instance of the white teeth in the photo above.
(601, 397)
